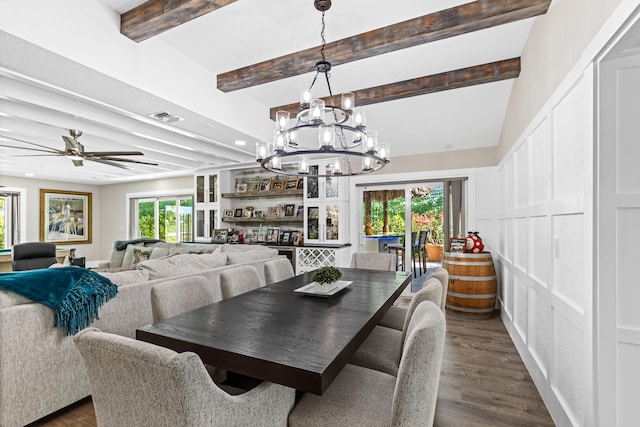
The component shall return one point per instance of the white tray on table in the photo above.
(314, 289)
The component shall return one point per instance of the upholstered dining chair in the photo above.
(134, 383)
(443, 276)
(360, 396)
(373, 261)
(382, 349)
(33, 255)
(277, 270)
(238, 280)
(394, 317)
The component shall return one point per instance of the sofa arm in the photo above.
(104, 264)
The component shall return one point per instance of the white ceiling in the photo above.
(43, 94)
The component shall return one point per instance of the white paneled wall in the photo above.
(544, 251)
(618, 204)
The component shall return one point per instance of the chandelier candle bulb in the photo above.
(261, 151)
(282, 118)
(384, 151)
(317, 110)
(371, 142)
(305, 96)
(291, 137)
(359, 117)
(348, 101)
(276, 163)
(366, 163)
(327, 137)
(278, 142)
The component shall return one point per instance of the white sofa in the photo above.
(40, 369)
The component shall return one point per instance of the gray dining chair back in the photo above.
(236, 281)
(360, 396)
(373, 261)
(278, 270)
(431, 291)
(416, 390)
(178, 296)
(443, 276)
(33, 255)
(134, 383)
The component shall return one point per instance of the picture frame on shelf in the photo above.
(248, 211)
(300, 185)
(253, 186)
(258, 214)
(297, 238)
(241, 187)
(265, 184)
(277, 185)
(291, 184)
(284, 238)
(273, 235)
(261, 237)
(228, 213)
(272, 211)
(300, 211)
(457, 244)
(220, 235)
(289, 210)
(238, 212)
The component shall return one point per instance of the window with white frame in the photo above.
(10, 218)
(169, 218)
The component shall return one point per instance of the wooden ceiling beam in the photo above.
(446, 23)
(156, 16)
(479, 74)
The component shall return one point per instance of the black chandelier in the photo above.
(343, 139)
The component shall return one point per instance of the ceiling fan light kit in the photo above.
(342, 135)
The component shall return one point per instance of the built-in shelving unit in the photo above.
(263, 194)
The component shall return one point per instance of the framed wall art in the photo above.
(65, 217)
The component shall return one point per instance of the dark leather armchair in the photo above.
(33, 255)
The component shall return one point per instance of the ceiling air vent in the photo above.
(165, 117)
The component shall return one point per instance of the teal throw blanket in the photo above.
(74, 293)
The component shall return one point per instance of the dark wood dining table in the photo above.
(278, 335)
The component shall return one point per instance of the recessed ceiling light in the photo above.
(241, 142)
(166, 117)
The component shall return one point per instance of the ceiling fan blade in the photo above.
(27, 142)
(106, 162)
(77, 162)
(116, 159)
(50, 150)
(112, 153)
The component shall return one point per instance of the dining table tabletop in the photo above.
(281, 334)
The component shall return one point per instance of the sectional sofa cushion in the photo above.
(126, 277)
(243, 257)
(181, 264)
(190, 248)
(8, 298)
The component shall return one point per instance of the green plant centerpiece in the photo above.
(325, 275)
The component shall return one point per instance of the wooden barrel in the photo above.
(472, 284)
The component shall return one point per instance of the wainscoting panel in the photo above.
(544, 253)
(568, 257)
(628, 152)
(627, 266)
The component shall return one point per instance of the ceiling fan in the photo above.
(74, 150)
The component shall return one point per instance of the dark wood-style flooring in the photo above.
(483, 383)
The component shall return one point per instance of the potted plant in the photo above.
(431, 222)
(326, 275)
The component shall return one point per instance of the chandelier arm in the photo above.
(377, 164)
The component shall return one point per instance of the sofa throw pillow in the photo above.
(181, 264)
(127, 277)
(141, 254)
(159, 252)
(129, 256)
